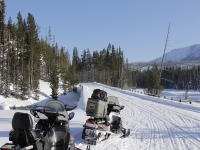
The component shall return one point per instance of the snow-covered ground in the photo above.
(155, 123)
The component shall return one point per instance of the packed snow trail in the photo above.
(154, 123)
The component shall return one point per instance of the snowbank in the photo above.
(84, 95)
(4, 106)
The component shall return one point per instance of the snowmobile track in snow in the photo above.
(154, 123)
(156, 119)
(169, 125)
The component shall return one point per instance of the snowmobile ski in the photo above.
(126, 133)
(88, 147)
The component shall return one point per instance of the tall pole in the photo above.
(165, 48)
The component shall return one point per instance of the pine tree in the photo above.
(2, 46)
(33, 55)
(126, 75)
(54, 83)
(20, 50)
(64, 68)
(114, 67)
(83, 66)
(89, 66)
(47, 55)
(101, 67)
(107, 65)
(120, 68)
(54, 74)
(24, 85)
(134, 83)
(95, 71)
(43, 57)
(36, 73)
(74, 68)
(10, 56)
(153, 82)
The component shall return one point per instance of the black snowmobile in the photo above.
(104, 118)
(51, 132)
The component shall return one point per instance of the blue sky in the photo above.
(139, 27)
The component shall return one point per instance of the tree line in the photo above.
(170, 77)
(25, 59)
(106, 67)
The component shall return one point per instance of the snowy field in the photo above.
(155, 123)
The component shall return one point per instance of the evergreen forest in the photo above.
(25, 59)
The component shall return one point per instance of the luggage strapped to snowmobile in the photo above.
(97, 104)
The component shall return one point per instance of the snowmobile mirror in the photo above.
(122, 107)
(71, 115)
(34, 113)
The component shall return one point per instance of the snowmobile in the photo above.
(104, 118)
(51, 131)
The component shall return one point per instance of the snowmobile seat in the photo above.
(23, 133)
(115, 123)
(112, 107)
(109, 108)
(113, 104)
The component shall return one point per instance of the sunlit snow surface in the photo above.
(155, 123)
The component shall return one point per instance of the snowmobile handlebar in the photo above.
(45, 112)
(50, 113)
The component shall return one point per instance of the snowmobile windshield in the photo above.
(113, 100)
(113, 103)
(54, 106)
(57, 106)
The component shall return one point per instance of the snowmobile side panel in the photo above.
(58, 138)
(10, 146)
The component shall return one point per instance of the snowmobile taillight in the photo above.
(90, 123)
(71, 138)
(7, 146)
(6, 149)
(100, 127)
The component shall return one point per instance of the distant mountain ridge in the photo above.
(189, 53)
